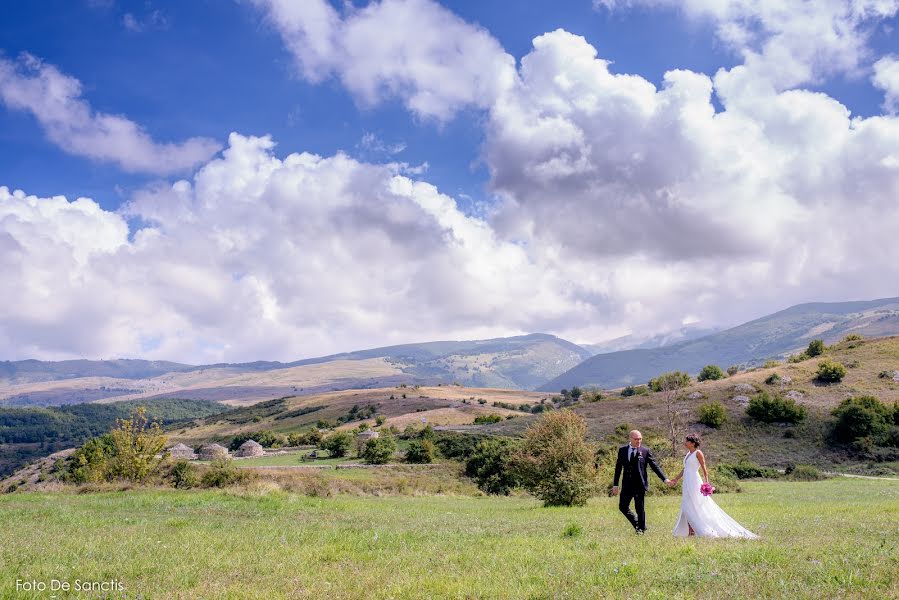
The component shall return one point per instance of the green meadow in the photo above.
(837, 538)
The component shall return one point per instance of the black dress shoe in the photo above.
(640, 531)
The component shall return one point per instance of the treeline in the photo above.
(75, 423)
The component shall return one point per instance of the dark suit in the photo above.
(635, 483)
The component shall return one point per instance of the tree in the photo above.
(555, 462)
(337, 444)
(421, 452)
(732, 370)
(136, 443)
(712, 414)
(379, 450)
(830, 371)
(489, 465)
(865, 416)
(815, 348)
(670, 384)
(710, 372)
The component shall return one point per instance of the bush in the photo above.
(489, 465)
(775, 409)
(797, 358)
(379, 450)
(732, 370)
(380, 420)
(457, 446)
(669, 381)
(639, 390)
(337, 444)
(421, 452)
(773, 379)
(312, 437)
(747, 470)
(885, 374)
(572, 530)
(710, 373)
(830, 372)
(815, 348)
(712, 414)
(266, 439)
(136, 444)
(223, 473)
(769, 364)
(90, 462)
(804, 473)
(865, 416)
(853, 337)
(183, 475)
(487, 419)
(555, 462)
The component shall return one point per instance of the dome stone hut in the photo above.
(213, 451)
(182, 452)
(368, 434)
(250, 448)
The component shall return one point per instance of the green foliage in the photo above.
(773, 379)
(815, 348)
(770, 364)
(555, 462)
(885, 375)
(337, 444)
(830, 371)
(489, 465)
(487, 419)
(572, 530)
(853, 337)
(359, 413)
(672, 380)
(136, 443)
(710, 373)
(90, 462)
(747, 470)
(266, 439)
(380, 420)
(183, 475)
(223, 473)
(775, 409)
(426, 433)
(712, 414)
(379, 450)
(421, 452)
(313, 437)
(798, 358)
(457, 446)
(804, 473)
(732, 370)
(639, 390)
(865, 416)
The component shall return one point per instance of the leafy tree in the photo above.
(672, 380)
(379, 450)
(732, 370)
(865, 416)
(815, 348)
(710, 373)
(555, 462)
(712, 414)
(830, 371)
(421, 452)
(136, 444)
(774, 409)
(90, 462)
(266, 439)
(487, 419)
(489, 465)
(337, 444)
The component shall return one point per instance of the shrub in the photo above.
(712, 414)
(380, 420)
(865, 416)
(885, 374)
(183, 475)
(481, 401)
(770, 364)
(489, 465)
(266, 439)
(804, 473)
(773, 379)
(312, 437)
(223, 473)
(732, 370)
(710, 373)
(337, 444)
(830, 371)
(379, 450)
(797, 358)
(487, 419)
(853, 337)
(136, 445)
(669, 381)
(572, 530)
(639, 390)
(421, 452)
(775, 409)
(90, 462)
(555, 462)
(747, 470)
(457, 446)
(426, 433)
(815, 348)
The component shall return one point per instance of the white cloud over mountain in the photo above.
(68, 120)
(623, 207)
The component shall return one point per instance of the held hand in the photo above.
(615, 490)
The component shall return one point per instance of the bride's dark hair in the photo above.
(695, 439)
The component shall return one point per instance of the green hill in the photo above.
(773, 336)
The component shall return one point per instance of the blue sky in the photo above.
(580, 203)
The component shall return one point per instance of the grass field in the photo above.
(833, 539)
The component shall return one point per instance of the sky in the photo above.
(209, 181)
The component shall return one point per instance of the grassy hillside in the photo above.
(773, 336)
(771, 445)
(830, 539)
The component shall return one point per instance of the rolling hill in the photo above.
(521, 362)
(773, 336)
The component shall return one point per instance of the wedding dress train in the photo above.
(700, 512)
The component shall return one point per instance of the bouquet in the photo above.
(707, 489)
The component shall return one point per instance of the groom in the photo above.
(632, 460)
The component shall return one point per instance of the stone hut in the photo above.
(181, 451)
(213, 451)
(250, 448)
(368, 434)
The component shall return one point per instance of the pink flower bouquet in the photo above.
(707, 489)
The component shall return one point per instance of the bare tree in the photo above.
(670, 385)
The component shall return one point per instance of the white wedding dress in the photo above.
(701, 512)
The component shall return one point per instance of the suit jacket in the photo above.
(644, 457)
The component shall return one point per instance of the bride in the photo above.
(699, 515)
